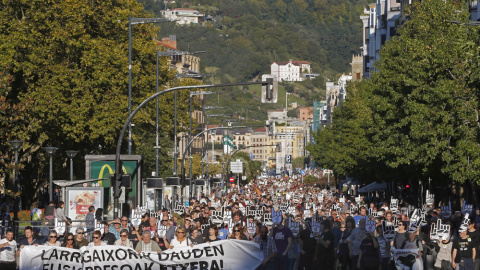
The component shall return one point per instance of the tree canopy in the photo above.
(65, 68)
(417, 116)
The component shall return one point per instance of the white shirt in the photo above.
(128, 243)
(57, 244)
(175, 243)
(92, 244)
(7, 253)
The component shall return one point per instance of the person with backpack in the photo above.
(369, 258)
(412, 261)
(36, 215)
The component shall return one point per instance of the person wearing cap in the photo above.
(464, 252)
(79, 239)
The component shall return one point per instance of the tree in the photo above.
(66, 64)
(298, 162)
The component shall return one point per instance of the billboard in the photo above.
(79, 199)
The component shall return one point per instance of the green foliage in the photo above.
(298, 162)
(248, 35)
(417, 117)
(65, 68)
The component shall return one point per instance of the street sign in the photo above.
(232, 179)
(302, 172)
(236, 167)
(288, 159)
(244, 177)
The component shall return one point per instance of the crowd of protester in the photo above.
(317, 229)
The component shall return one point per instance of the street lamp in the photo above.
(132, 21)
(175, 154)
(286, 142)
(16, 146)
(194, 93)
(50, 151)
(118, 168)
(71, 154)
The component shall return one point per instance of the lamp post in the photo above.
(157, 147)
(132, 21)
(194, 93)
(118, 167)
(71, 154)
(212, 134)
(286, 132)
(16, 146)
(175, 154)
(50, 151)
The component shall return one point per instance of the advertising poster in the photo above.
(105, 168)
(80, 198)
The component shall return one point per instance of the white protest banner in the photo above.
(225, 254)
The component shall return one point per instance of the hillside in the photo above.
(246, 36)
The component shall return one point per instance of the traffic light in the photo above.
(269, 90)
(116, 182)
(278, 147)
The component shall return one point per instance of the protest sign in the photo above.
(225, 254)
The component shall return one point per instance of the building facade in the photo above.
(183, 16)
(291, 71)
(305, 114)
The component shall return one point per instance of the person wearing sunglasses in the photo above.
(52, 239)
(237, 232)
(70, 241)
(97, 240)
(180, 239)
(400, 235)
(124, 241)
(79, 238)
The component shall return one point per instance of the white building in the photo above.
(290, 71)
(183, 15)
(336, 94)
(379, 21)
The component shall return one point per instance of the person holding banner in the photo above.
(124, 241)
(212, 234)
(97, 240)
(147, 245)
(8, 248)
(237, 233)
(69, 241)
(52, 239)
(107, 235)
(79, 238)
(180, 239)
(195, 237)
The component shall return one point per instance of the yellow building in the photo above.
(293, 139)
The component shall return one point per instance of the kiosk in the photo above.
(153, 194)
(172, 189)
(200, 187)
